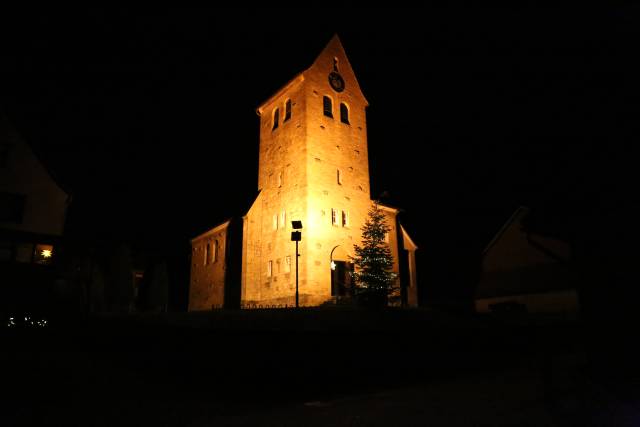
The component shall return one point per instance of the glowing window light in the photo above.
(43, 254)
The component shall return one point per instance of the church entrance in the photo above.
(341, 280)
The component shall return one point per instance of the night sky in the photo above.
(148, 116)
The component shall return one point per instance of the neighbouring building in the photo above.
(33, 208)
(313, 168)
(525, 271)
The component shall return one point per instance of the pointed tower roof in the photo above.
(332, 58)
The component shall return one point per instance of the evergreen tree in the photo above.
(374, 280)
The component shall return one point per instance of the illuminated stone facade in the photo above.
(313, 167)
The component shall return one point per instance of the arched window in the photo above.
(344, 113)
(276, 118)
(328, 108)
(287, 110)
(207, 250)
(215, 251)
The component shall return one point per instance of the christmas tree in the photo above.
(373, 275)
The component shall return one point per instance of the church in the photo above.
(314, 170)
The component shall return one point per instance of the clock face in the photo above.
(336, 82)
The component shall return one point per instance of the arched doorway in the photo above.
(341, 268)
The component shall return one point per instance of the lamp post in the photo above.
(296, 236)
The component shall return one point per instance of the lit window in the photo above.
(345, 218)
(344, 113)
(280, 176)
(283, 219)
(328, 108)
(276, 118)
(287, 110)
(334, 217)
(269, 268)
(386, 237)
(339, 175)
(43, 254)
(275, 222)
(215, 250)
(207, 249)
(287, 264)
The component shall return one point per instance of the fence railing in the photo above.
(252, 306)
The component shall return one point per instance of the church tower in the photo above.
(313, 168)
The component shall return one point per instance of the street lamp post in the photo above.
(296, 236)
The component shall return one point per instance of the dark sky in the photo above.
(149, 115)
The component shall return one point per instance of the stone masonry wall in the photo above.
(206, 288)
